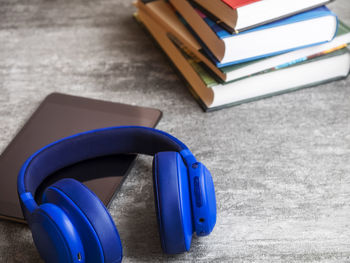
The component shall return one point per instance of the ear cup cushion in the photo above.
(54, 235)
(95, 212)
(172, 202)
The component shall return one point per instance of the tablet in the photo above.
(59, 116)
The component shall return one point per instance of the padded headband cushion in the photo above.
(93, 144)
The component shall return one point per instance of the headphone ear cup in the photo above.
(172, 202)
(54, 235)
(92, 220)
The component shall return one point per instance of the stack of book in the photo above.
(235, 51)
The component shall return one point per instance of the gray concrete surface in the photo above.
(281, 166)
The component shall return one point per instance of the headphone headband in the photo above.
(71, 224)
(82, 146)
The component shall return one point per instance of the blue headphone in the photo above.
(72, 224)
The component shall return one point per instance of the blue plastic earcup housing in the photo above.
(203, 199)
(172, 202)
(54, 235)
(93, 222)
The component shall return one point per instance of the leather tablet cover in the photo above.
(60, 116)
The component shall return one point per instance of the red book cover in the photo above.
(238, 3)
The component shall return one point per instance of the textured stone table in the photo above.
(281, 166)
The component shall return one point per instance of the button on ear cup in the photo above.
(99, 235)
(172, 202)
(204, 200)
(54, 235)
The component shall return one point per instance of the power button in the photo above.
(197, 192)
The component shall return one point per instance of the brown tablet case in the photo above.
(60, 116)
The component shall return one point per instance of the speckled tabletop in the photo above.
(281, 166)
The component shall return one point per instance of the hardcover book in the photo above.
(241, 15)
(213, 95)
(165, 15)
(309, 28)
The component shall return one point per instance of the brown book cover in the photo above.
(165, 15)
